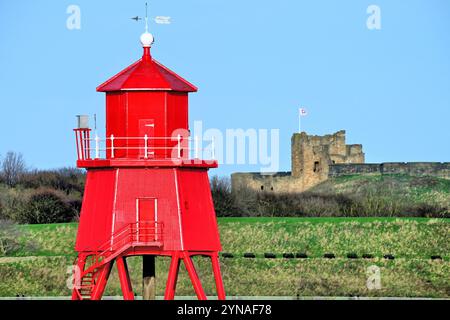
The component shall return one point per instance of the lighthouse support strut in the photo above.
(101, 281)
(104, 271)
(193, 275)
(124, 277)
(217, 276)
(186, 256)
(81, 262)
(173, 276)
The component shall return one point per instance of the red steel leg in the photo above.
(100, 285)
(193, 275)
(124, 277)
(218, 276)
(81, 261)
(173, 276)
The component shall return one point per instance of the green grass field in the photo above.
(42, 270)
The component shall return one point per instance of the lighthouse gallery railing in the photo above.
(92, 148)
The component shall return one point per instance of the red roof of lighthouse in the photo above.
(147, 74)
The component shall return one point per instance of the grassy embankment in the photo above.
(42, 271)
(393, 192)
(369, 195)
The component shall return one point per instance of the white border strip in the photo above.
(179, 209)
(137, 219)
(113, 224)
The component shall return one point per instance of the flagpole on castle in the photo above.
(301, 113)
(300, 123)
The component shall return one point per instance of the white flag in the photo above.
(302, 112)
(162, 20)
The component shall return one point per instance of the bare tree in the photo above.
(13, 167)
(222, 197)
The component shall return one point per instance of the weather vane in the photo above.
(158, 19)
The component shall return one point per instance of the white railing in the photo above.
(146, 147)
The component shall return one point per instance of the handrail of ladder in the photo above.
(125, 237)
(128, 235)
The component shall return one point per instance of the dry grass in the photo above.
(251, 277)
(411, 274)
(419, 238)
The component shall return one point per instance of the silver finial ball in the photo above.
(147, 39)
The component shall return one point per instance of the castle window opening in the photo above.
(262, 187)
(316, 166)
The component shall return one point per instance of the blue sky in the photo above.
(255, 63)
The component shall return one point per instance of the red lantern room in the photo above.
(144, 194)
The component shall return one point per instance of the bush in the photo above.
(9, 236)
(223, 199)
(47, 206)
(429, 210)
(12, 239)
(65, 179)
(22, 196)
(295, 205)
(12, 203)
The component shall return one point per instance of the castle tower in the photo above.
(311, 156)
(144, 195)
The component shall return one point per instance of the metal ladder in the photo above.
(122, 240)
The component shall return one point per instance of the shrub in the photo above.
(424, 182)
(223, 199)
(313, 205)
(8, 238)
(65, 179)
(47, 206)
(14, 240)
(295, 205)
(12, 202)
(429, 210)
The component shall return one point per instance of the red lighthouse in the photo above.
(144, 194)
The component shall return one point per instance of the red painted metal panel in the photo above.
(115, 125)
(146, 105)
(96, 212)
(159, 183)
(199, 219)
(177, 123)
(146, 74)
(177, 111)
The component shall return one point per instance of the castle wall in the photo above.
(281, 182)
(434, 169)
(355, 154)
(337, 170)
(296, 155)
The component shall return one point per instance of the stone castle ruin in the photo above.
(317, 158)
